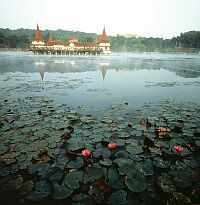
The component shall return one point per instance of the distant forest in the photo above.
(21, 38)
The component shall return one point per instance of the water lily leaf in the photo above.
(136, 182)
(3, 149)
(121, 154)
(42, 191)
(40, 168)
(113, 176)
(114, 179)
(75, 144)
(106, 162)
(134, 149)
(146, 167)
(102, 152)
(76, 163)
(119, 197)
(92, 174)
(73, 179)
(55, 174)
(61, 191)
(160, 163)
(166, 184)
(126, 166)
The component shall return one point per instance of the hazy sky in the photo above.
(162, 18)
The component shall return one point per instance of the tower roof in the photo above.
(38, 34)
(103, 38)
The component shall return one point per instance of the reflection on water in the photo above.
(123, 77)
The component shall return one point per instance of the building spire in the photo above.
(104, 30)
(38, 34)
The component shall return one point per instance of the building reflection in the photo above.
(41, 68)
(103, 68)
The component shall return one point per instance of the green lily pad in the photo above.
(42, 191)
(160, 163)
(165, 183)
(136, 182)
(74, 144)
(146, 167)
(119, 197)
(3, 149)
(73, 179)
(121, 154)
(106, 162)
(40, 168)
(92, 174)
(76, 163)
(114, 179)
(126, 166)
(134, 149)
(55, 174)
(61, 191)
(102, 152)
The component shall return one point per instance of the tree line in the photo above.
(21, 38)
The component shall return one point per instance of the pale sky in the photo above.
(157, 18)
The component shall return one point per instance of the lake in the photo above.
(98, 81)
(99, 129)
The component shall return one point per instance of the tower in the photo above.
(38, 34)
(103, 42)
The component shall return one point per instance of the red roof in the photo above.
(103, 38)
(38, 34)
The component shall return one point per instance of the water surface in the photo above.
(98, 81)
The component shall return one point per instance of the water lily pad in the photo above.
(160, 163)
(76, 163)
(136, 182)
(106, 162)
(134, 149)
(119, 197)
(73, 179)
(42, 191)
(114, 179)
(102, 152)
(3, 149)
(61, 191)
(146, 167)
(126, 166)
(40, 168)
(166, 184)
(92, 174)
(55, 174)
(121, 154)
(75, 144)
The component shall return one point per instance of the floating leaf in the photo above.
(102, 152)
(119, 197)
(3, 149)
(73, 179)
(42, 191)
(61, 191)
(92, 174)
(136, 182)
(76, 163)
(106, 162)
(134, 149)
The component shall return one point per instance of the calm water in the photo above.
(101, 80)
